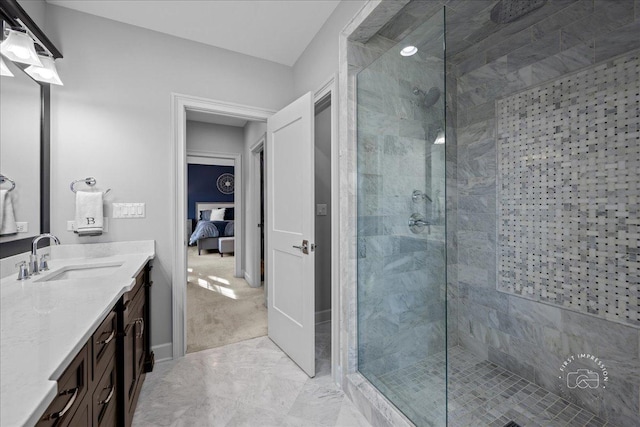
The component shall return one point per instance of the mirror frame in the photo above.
(10, 12)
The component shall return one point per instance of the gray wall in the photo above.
(253, 131)
(112, 119)
(320, 59)
(214, 138)
(322, 161)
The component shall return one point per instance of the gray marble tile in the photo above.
(512, 364)
(534, 312)
(567, 61)
(514, 42)
(545, 46)
(624, 39)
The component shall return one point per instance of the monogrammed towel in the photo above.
(89, 213)
(7, 216)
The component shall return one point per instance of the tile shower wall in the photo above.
(568, 188)
(491, 62)
(401, 275)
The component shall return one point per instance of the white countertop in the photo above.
(43, 325)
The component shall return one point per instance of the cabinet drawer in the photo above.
(141, 278)
(105, 397)
(72, 388)
(81, 417)
(103, 343)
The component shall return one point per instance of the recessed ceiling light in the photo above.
(408, 51)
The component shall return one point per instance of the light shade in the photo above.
(4, 70)
(408, 51)
(19, 47)
(440, 137)
(47, 73)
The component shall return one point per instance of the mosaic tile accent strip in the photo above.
(569, 191)
(480, 394)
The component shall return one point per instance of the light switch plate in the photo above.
(129, 210)
(321, 209)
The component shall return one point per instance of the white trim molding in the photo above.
(238, 198)
(330, 87)
(179, 105)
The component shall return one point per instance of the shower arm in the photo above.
(419, 195)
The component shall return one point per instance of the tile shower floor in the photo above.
(480, 394)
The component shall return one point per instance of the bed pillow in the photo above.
(205, 215)
(217, 214)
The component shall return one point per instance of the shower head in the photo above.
(430, 98)
(509, 10)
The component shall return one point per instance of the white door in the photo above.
(290, 223)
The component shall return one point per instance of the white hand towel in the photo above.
(89, 213)
(7, 215)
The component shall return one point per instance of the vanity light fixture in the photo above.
(19, 47)
(4, 70)
(408, 51)
(47, 73)
(440, 137)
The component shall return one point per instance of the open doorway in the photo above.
(222, 306)
(181, 105)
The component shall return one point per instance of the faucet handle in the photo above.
(23, 273)
(44, 266)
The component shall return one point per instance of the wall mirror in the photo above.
(24, 139)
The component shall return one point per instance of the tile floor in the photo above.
(249, 383)
(480, 394)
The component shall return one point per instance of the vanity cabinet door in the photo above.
(103, 344)
(134, 355)
(105, 398)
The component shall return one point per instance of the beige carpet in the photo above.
(221, 309)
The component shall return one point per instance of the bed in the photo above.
(207, 233)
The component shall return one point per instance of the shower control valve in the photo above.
(417, 223)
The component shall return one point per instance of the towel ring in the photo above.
(4, 179)
(90, 181)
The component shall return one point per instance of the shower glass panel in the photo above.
(401, 224)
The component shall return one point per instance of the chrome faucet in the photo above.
(36, 265)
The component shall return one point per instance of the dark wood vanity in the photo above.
(100, 387)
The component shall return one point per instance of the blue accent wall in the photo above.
(202, 186)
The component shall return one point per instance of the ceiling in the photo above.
(275, 30)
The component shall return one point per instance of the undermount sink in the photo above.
(82, 272)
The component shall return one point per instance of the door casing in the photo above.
(180, 103)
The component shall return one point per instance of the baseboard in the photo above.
(323, 316)
(248, 278)
(163, 352)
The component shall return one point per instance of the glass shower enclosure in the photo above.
(402, 282)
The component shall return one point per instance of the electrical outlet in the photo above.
(23, 227)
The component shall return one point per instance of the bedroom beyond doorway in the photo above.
(221, 309)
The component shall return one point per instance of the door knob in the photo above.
(304, 248)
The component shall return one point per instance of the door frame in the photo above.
(254, 178)
(330, 87)
(180, 103)
(238, 197)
